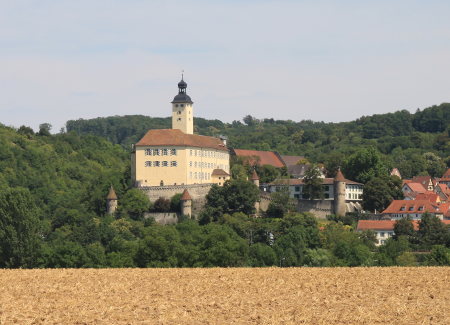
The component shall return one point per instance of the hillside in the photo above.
(403, 138)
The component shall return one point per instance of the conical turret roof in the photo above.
(339, 176)
(112, 194)
(185, 196)
(255, 176)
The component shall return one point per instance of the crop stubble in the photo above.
(226, 296)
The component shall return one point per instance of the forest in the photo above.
(53, 190)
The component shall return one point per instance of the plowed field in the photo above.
(226, 296)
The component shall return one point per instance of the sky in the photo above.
(321, 60)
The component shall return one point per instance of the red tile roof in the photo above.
(260, 157)
(219, 172)
(339, 176)
(175, 137)
(185, 196)
(415, 206)
(432, 197)
(291, 160)
(417, 187)
(112, 194)
(446, 176)
(255, 176)
(424, 180)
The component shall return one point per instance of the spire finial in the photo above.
(182, 74)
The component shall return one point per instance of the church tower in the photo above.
(182, 114)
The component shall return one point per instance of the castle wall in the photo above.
(198, 193)
(163, 218)
(320, 208)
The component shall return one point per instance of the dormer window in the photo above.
(403, 208)
(421, 208)
(411, 208)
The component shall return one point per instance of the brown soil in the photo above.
(226, 296)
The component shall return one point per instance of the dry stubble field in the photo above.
(226, 296)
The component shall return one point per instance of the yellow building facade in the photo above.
(176, 156)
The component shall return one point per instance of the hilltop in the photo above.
(402, 137)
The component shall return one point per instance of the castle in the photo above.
(166, 162)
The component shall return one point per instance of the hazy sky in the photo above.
(319, 60)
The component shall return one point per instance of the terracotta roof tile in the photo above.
(112, 194)
(219, 172)
(260, 157)
(175, 137)
(417, 187)
(291, 160)
(432, 197)
(446, 176)
(339, 176)
(185, 196)
(255, 176)
(415, 206)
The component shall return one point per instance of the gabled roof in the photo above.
(415, 206)
(175, 137)
(291, 160)
(424, 180)
(260, 157)
(396, 172)
(111, 194)
(219, 172)
(432, 197)
(446, 176)
(185, 196)
(416, 187)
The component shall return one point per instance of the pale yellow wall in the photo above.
(194, 165)
(183, 118)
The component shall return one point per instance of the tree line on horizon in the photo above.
(52, 208)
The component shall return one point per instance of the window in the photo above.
(176, 105)
(181, 105)
(411, 208)
(165, 152)
(173, 164)
(326, 188)
(179, 112)
(156, 152)
(165, 163)
(421, 208)
(173, 152)
(190, 152)
(156, 163)
(327, 196)
(190, 164)
(148, 152)
(382, 234)
(195, 164)
(403, 208)
(179, 119)
(148, 164)
(297, 188)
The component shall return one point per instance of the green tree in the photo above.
(403, 227)
(312, 187)
(19, 228)
(162, 205)
(364, 165)
(439, 255)
(432, 231)
(380, 191)
(134, 204)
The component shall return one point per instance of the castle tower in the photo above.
(111, 201)
(182, 113)
(255, 180)
(339, 194)
(186, 203)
